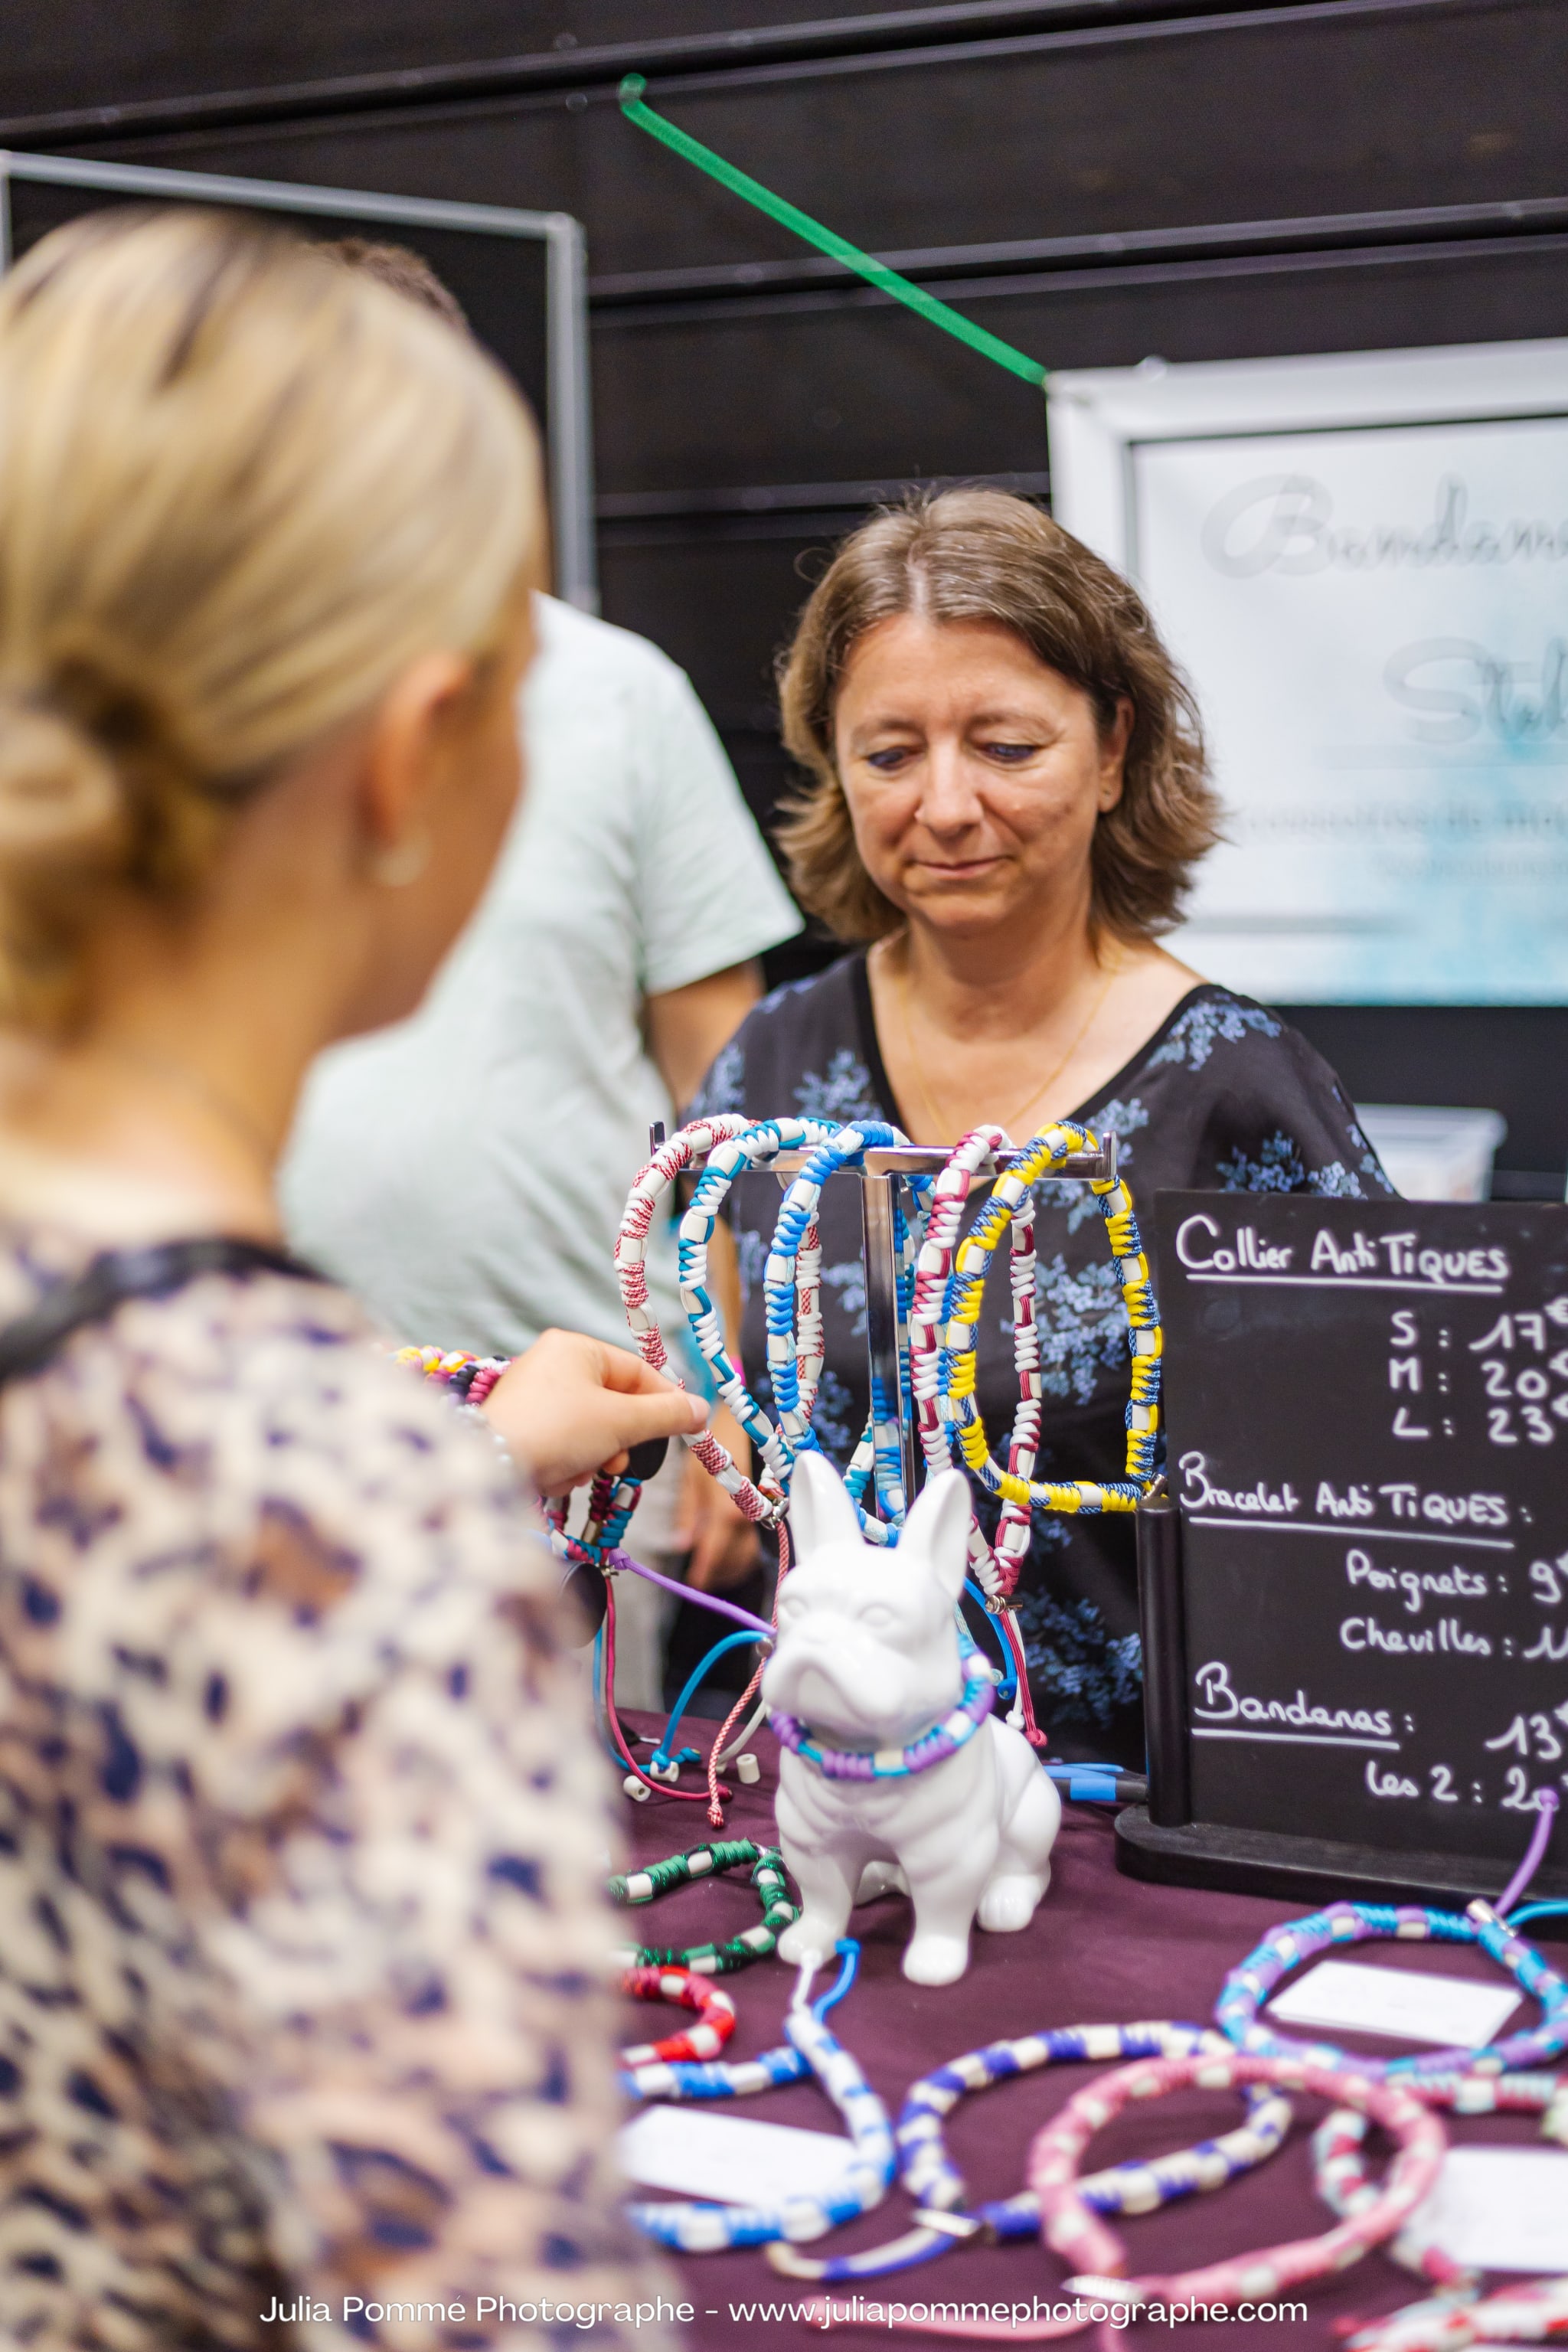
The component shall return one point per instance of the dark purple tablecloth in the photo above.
(1103, 1949)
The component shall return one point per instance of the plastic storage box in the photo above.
(1432, 1153)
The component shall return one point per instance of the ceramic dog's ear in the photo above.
(820, 1510)
(938, 1529)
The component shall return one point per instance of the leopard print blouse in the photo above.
(304, 2005)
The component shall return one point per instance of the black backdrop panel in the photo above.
(1245, 121)
(743, 420)
(846, 394)
(810, 392)
(1242, 122)
(1510, 1060)
(82, 53)
(702, 593)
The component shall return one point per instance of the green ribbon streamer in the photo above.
(826, 240)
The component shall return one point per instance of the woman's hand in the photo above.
(721, 1541)
(571, 1405)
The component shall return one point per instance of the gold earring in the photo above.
(403, 862)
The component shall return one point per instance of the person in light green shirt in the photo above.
(464, 1172)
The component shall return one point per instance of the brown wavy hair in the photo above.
(986, 556)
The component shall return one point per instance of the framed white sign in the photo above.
(1361, 563)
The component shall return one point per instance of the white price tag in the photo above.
(729, 2157)
(1407, 2003)
(1499, 2208)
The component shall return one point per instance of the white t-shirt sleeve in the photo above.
(709, 894)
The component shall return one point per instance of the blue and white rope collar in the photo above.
(737, 2078)
(930, 2177)
(706, 2229)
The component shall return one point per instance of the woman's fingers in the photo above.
(627, 1375)
(670, 1413)
(571, 1405)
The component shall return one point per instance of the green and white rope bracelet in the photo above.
(765, 1867)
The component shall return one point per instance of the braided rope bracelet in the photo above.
(1339, 2154)
(794, 1365)
(731, 1144)
(611, 1500)
(739, 2078)
(639, 1783)
(955, 1730)
(795, 1359)
(719, 1753)
(470, 1379)
(795, 1355)
(792, 1290)
(1341, 2179)
(930, 2177)
(704, 2228)
(950, 1283)
(1069, 2227)
(1284, 1948)
(687, 1990)
(765, 1865)
(994, 1566)
(1535, 2314)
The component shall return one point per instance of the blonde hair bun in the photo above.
(60, 798)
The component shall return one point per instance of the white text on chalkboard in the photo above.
(1388, 1261)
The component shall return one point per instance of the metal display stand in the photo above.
(882, 1171)
(568, 419)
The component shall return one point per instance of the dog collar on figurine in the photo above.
(934, 1746)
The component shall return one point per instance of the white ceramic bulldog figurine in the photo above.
(868, 1657)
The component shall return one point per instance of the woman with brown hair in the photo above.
(1007, 795)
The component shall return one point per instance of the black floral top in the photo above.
(1223, 1097)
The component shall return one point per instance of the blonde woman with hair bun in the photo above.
(301, 1950)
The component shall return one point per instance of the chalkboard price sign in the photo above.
(1356, 1612)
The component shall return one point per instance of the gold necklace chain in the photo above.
(1009, 1126)
(215, 1100)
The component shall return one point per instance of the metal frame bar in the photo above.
(1051, 284)
(797, 497)
(569, 425)
(1095, 249)
(570, 433)
(1271, 16)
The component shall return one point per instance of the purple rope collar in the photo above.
(934, 1746)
